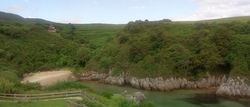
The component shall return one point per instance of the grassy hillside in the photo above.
(9, 17)
(243, 19)
(145, 48)
(141, 48)
(29, 47)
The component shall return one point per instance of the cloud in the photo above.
(71, 20)
(211, 9)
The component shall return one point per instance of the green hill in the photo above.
(169, 49)
(9, 17)
(243, 19)
(37, 20)
(141, 48)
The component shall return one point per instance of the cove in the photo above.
(178, 98)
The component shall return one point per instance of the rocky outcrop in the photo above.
(154, 83)
(137, 97)
(234, 88)
(227, 87)
(174, 83)
(90, 76)
(114, 80)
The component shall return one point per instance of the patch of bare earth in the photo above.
(48, 77)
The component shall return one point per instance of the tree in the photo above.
(240, 67)
(138, 51)
(82, 56)
(158, 39)
(222, 38)
(179, 58)
(209, 57)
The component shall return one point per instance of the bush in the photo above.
(11, 76)
(108, 95)
(146, 104)
(92, 104)
(66, 85)
(6, 86)
(31, 86)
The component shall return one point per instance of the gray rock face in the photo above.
(114, 80)
(164, 85)
(90, 76)
(234, 88)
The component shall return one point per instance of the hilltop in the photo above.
(170, 49)
(9, 17)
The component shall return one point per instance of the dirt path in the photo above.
(48, 77)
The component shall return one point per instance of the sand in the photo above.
(48, 77)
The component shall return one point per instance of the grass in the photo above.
(97, 34)
(50, 103)
(221, 20)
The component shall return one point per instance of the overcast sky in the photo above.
(123, 11)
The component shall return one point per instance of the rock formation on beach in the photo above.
(234, 88)
(154, 83)
(226, 87)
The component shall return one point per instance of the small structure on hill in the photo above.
(51, 29)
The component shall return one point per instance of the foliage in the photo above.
(141, 48)
(28, 86)
(145, 48)
(66, 85)
(108, 95)
(6, 86)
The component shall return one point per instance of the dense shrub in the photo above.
(107, 94)
(66, 85)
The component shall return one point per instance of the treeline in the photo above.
(168, 48)
(30, 47)
(141, 48)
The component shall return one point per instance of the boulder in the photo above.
(139, 97)
(135, 97)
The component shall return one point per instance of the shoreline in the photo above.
(223, 86)
(154, 84)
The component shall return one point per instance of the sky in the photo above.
(123, 11)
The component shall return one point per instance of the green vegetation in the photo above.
(114, 101)
(29, 47)
(168, 49)
(103, 99)
(51, 103)
(141, 48)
